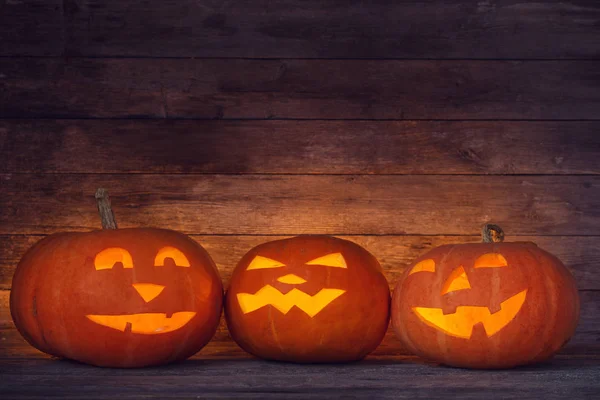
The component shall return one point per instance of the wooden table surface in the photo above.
(383, 377)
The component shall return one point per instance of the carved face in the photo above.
(484, 305)
(125, 297)
(307, 299)
(461, 322)
(270, 296)
(143, 323)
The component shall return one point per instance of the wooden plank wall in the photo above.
(398, 125)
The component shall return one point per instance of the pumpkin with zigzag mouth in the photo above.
(308, 299)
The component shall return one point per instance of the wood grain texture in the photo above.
(5, 318)
(300, 147)
(304, 89)
(581, 254)
(302, 204)
(390, 378)
(308, 29)
(585, 341)
(31, 28)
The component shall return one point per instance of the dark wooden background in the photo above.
(399, 125)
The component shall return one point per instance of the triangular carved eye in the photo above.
(330, 260)
(107, 258)
(456, 281)
(171, 252)
(261, 262)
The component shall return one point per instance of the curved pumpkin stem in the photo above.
(106, 213)
(491, 233)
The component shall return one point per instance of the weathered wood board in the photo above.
(436, 29)
(298, 89)
(303, 204)
(300, 147)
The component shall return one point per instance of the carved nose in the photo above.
(148, 291)
(291, 279)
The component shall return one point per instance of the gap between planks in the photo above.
(284, 58)
(235, 119)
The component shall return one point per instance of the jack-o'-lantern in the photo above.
(117, 297)
(486, 305)
(308, 299)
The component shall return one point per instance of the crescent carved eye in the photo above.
(107, 258)
(171, 252)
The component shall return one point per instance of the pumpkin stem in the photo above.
(106, 213)
(492, 234)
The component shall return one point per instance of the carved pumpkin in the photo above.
(117, 297)
(308, 299)
(486, 305)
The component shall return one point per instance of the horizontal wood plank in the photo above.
(581, 254)
(391, 378)
(302, 204)
(31, 28)
(307, 29)
(301, 89)
(585, 341)
(300, 147)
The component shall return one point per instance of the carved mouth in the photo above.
(146, 323)
(461, 322)
(268, 295)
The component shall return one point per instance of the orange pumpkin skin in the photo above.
(346, 328)
(57, 289)
(544, 322)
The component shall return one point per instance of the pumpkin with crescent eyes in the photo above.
(486, 305)
(117, 297)
(308, 299)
